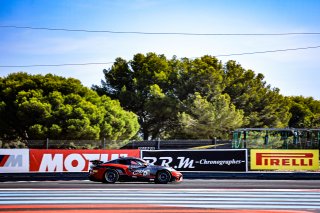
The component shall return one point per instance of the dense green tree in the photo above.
(142, 86)
(36, 107)
(202, 75)
(158, 90)
(198, 98)
(263, 106)
(305, 112)
(206, 119)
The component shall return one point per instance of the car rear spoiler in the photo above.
(96, 162)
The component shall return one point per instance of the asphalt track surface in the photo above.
(186, 184)
(196, 195)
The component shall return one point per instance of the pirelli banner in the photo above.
(228, 160)
(283, 160)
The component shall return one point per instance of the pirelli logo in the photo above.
(262, 159)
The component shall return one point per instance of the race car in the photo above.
(131, 169)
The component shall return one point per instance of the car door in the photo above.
(139, 169)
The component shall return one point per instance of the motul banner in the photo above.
(199, 160)
(267, 159)
(14, 160)
(56, 160)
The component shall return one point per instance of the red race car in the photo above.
(131, 169)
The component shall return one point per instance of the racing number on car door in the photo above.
(139, 169)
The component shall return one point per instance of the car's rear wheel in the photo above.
(111, 176)
(163, 177)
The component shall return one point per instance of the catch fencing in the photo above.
(143, 145)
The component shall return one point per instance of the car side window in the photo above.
(136, 162)
(132, 162)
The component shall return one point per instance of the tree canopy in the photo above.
(163, 98)
(37, 107)
(197, 98)
(167, 95)
(263, 106)
(305, 112)
(208, 119)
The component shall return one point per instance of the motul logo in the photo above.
(72, 162)
(56, 160)
(284, 159)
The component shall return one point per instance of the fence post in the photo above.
(215, 142)
(266, 139)
(295, 138)
(104, 143)
(244, 140)
(158, 144)
(47, 143)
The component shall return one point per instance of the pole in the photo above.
(47, 143)
(245, 139)
(266, 139)
(158, 144)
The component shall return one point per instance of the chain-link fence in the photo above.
(107, 144)
(180, 144)
(75, 144)
(273, 138)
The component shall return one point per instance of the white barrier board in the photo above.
(14, 160)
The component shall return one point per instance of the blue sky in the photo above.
(293, 72)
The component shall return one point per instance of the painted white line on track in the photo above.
(159, 190)
(288, 200)
(229, 205)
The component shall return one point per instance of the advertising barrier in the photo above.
(199, 160)
(14, 160)
(293, 160)
(228, 160)
(57, 160)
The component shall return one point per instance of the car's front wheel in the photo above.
(163, 177)
(111, 176)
